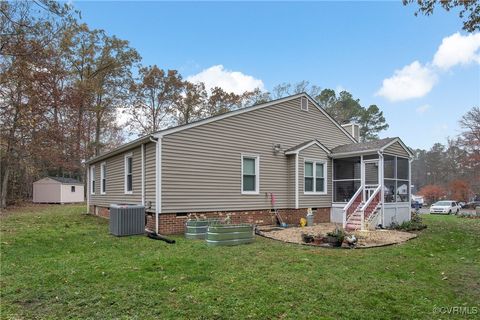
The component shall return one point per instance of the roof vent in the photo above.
(353, 129)
(304, 103)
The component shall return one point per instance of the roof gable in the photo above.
(162, 133)
(305, 145)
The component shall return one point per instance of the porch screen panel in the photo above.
(402, 168)
(402, 191)
(344, 190)
(390, 190)
(346, 178)
(347, 168)
(396, 183)
(389, 167)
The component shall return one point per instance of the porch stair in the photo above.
(372, 216)
(358, 211)
(354, 221)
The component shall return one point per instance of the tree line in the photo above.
(452, 170)
(63, 85)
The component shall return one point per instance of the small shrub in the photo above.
(415, 224)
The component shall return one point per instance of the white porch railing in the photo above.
(367, 203)
(347, 210)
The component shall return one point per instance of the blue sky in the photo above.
(350, 45)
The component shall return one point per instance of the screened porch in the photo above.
(370, 190)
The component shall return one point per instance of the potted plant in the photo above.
(336, 237)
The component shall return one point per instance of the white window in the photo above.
(250, 174)
(103, 178)
(304, 103)
(315, 177)
(92, 180)
(72, 189)
(129, 173)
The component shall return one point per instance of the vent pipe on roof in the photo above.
(353, 129)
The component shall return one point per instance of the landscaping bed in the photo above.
(366, 239)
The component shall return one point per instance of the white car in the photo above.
(445, 206)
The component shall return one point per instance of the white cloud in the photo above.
(457, 49)
(230, 81)
(412, 81)
(416, 80)
(423, 108)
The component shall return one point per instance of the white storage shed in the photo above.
(58, 190)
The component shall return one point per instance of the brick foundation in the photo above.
(103, 212)
(170, 223)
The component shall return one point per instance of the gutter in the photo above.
(125, 147)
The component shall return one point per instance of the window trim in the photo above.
(103, 167)
(92, 179)
(257, 173)
(125, 164)
(72, 189)
(325, 177)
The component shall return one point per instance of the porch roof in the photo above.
(366, 147)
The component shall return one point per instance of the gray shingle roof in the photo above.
(365, 146)
(66, 180)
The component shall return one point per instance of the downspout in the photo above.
(88, 189)
(143, 174)
(410, 160)
(158, 157)
(382, 181)
(296, 180)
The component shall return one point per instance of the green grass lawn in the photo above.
(59, 263)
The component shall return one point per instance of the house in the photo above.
(287, 155)
(58, 190)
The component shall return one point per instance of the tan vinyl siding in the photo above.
(396, 149)
(291, 181)
(115, 180)
(150, 150)
(201, 166)
(313, 200)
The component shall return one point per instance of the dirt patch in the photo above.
(366, 239)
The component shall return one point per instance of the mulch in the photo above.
(366, 239)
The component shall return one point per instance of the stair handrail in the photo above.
(367, 203)
(349, 204)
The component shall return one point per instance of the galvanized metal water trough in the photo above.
(230, 234)
(197, 229)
